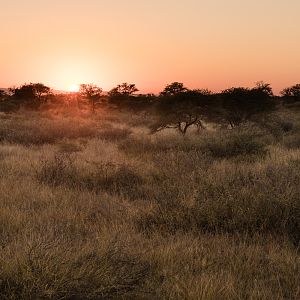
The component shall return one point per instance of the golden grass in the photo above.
(93, 207)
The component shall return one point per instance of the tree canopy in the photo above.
(241, 104)
(173, 89)
(124, 89)
(292, 92)
(91, 93)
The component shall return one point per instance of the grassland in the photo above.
(94, 207)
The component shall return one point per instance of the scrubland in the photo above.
(95, 207)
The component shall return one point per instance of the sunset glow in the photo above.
(210, 44)
(150, 149)
(74, 88)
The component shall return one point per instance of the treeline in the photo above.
(175, 107)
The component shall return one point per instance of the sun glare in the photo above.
(74, 88)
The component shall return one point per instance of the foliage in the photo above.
(91, 93)
(240, 145)
(241, 104)
(291, 93)
(180, 108)
(173, 89)
(3, 94)
(124, 89)
(31, 95)
(123, 97)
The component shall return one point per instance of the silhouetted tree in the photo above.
(3, 94)
(241, 104)
(292, 93)
(124, 89)
(180, 109)
(41, 91)
(122, 96)
(264, 88)
(173, 89)
(91, 93)
(31, 95)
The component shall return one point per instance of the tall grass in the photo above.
(94, 207)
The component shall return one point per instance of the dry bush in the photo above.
(292, 141)
(280, 123)
(61, 269)
(67, 147)
(114, 134)
(235, 144)
(38, 131)
(154, 145)
(222, 267)
(240, 145)
(265, 201)
(99, 177)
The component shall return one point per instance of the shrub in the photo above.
(291, 141)
(237, 145)
(115, 134)
(103, 177)
(27, 132)
(60, 270)
(248, 203)
(57, 171)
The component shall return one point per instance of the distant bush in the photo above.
(31, 95)
(278, 125)
(291, 93)
(242, 104)
(28, 133)
(104, 177)
(136, 146)
(181, 109)
(8, 106)
(114, 134)
(237, 145)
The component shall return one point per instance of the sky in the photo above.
(213, 44)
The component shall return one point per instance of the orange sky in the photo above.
(204, 43)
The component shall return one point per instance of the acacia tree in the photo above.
(124, 89)
(41, 91)
(264, 88)
(91, 93)
(292, 92)
(180, 108)
(241, 104)
(32, 95)
(122, 95)
(174, 88)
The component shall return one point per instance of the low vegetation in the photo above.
(96, 206)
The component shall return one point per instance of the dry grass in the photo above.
(93, 207)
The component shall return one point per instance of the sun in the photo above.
(74, 88)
